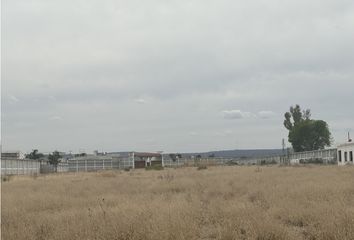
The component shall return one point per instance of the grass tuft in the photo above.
(233, 202)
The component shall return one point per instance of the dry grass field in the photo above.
(216, 203)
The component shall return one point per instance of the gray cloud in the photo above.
(140, 100)
(91, 62)
(13, 99)
(55, 118)
(266, 114)
(236, 114)
(232, 114)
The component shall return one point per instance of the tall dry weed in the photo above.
(267, 203)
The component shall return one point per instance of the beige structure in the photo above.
(12, 155)
(345, 153)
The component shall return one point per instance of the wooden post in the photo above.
(133, 157)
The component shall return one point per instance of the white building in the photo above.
(345, 153)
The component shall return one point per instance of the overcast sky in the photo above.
(172, 75)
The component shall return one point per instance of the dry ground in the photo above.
(216, 203)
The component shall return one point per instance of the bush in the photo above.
(312, 161)
(34, 176)
(154, 167)
(265, 162)
(6, 178)
(232, 163)
(202, 167)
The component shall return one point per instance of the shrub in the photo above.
(312, 161)
(231, 163)
(154, 167)
(202, 167)
(35, 176)
(107, 174)
(265, 162)
(6, 178)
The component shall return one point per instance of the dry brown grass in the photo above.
(216, 203)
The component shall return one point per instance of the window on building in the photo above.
(340, 156)
(345, 156)
(351, 156)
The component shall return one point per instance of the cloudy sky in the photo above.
(172, 75)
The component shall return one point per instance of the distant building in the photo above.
(97, 153)
(12, 155)
(145, 159)
(345, 153)
(115, 160)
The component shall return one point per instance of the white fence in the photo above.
(180, 162)
(326, 156)
(19, 166)
(96, 163)
(47, 168)
(10, 166)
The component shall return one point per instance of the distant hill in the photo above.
(244, 153)
(238, 153)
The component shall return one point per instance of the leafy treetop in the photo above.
(306, 134)
(54, 158)
(34, 155)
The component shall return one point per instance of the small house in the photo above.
(345, 153)
(145, 159)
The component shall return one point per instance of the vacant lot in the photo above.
(215, 203)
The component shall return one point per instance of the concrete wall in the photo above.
(19, 166)
(96, 163)
(327, 156)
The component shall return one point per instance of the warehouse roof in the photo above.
(146, 154)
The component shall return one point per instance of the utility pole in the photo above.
(283, 145)
(349, 139)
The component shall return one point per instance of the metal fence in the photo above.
(19, 166)
(187, 162)
(264, 160)
(96, 163)
(47, 168)
(123, 162)
(87, 164)
(326, 156)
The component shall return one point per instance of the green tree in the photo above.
(295, 116)
(306, 134)
(54, 159)
(34, 155)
